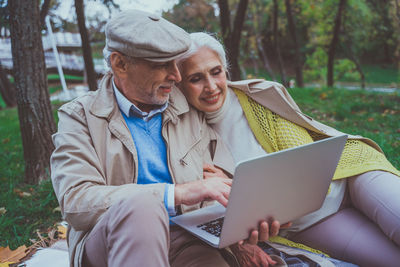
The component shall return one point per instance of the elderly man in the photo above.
(132, 153)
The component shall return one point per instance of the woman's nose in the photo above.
(211, 85)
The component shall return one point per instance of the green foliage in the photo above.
(194, 16)
(316, 68)
(345, 70)
(28, 207)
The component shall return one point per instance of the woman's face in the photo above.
(204, 80)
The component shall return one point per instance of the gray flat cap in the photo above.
(144, 35)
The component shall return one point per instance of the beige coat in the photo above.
(276, 98)
(94, 164)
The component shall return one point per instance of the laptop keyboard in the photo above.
(213, 227)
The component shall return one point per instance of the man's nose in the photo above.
(174, 74)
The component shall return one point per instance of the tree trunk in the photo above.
(235, 41)
(265, 60)
(7, 90)
(297, 58)
(232, 37)
(277, 47)
(397, 5)
(334, 42)
(349, 52)
(43, 12)
(225, 20)
(34, 110)
(87, 51)
(360, 71)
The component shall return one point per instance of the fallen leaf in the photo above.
(20, 193)
(25, 194)
(7, 255)
(323, 96)
(17, 191)
(2, 210)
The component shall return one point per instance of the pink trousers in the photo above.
(366, 231)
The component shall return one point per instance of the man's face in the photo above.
(149, 83)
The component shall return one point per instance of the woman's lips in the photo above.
(212, 99)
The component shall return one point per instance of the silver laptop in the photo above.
(284, 185)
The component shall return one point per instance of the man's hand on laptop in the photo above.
(210, 171)
(214, 188)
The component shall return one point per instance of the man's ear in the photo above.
(118, 63)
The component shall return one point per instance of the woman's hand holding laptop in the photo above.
(246, 251)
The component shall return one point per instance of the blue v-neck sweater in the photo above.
(151, 149)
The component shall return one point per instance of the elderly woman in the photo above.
(359, 221)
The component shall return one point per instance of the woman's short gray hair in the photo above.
(203, 39)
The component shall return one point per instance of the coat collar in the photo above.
(104, 104)
(244, 85)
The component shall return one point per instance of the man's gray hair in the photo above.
(203, 39)
(107, 54)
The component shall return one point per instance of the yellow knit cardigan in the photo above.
(275, 133)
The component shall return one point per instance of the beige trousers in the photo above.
(136, 232)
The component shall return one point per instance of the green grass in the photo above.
(24, 214)
(373, 115)
(381, 74)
